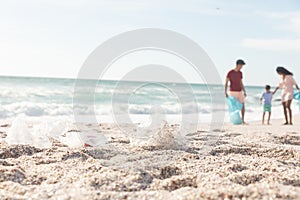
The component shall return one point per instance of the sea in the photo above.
(46, 98)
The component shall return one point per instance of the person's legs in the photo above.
(288, 107)
(285, 113)
(263, 118)
(269, 118)
(243, 113)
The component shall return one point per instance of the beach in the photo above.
(149, 100)
(247, 162)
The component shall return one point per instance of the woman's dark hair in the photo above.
(284, 71)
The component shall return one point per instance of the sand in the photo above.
(247, 162)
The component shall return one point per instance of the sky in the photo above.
(53, 38)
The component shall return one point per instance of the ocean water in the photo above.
(53, 97)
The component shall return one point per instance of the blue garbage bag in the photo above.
(234, 108)
(297, 97)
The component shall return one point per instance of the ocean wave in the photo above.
(34, 109)
(37, 97)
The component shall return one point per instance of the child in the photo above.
(266, 99)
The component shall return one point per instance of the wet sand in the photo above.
(250, 162)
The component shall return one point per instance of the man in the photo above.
(237, 89)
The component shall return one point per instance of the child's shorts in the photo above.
(267, 108)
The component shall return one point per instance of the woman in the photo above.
(286, 84)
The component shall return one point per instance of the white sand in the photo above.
(252, 162)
